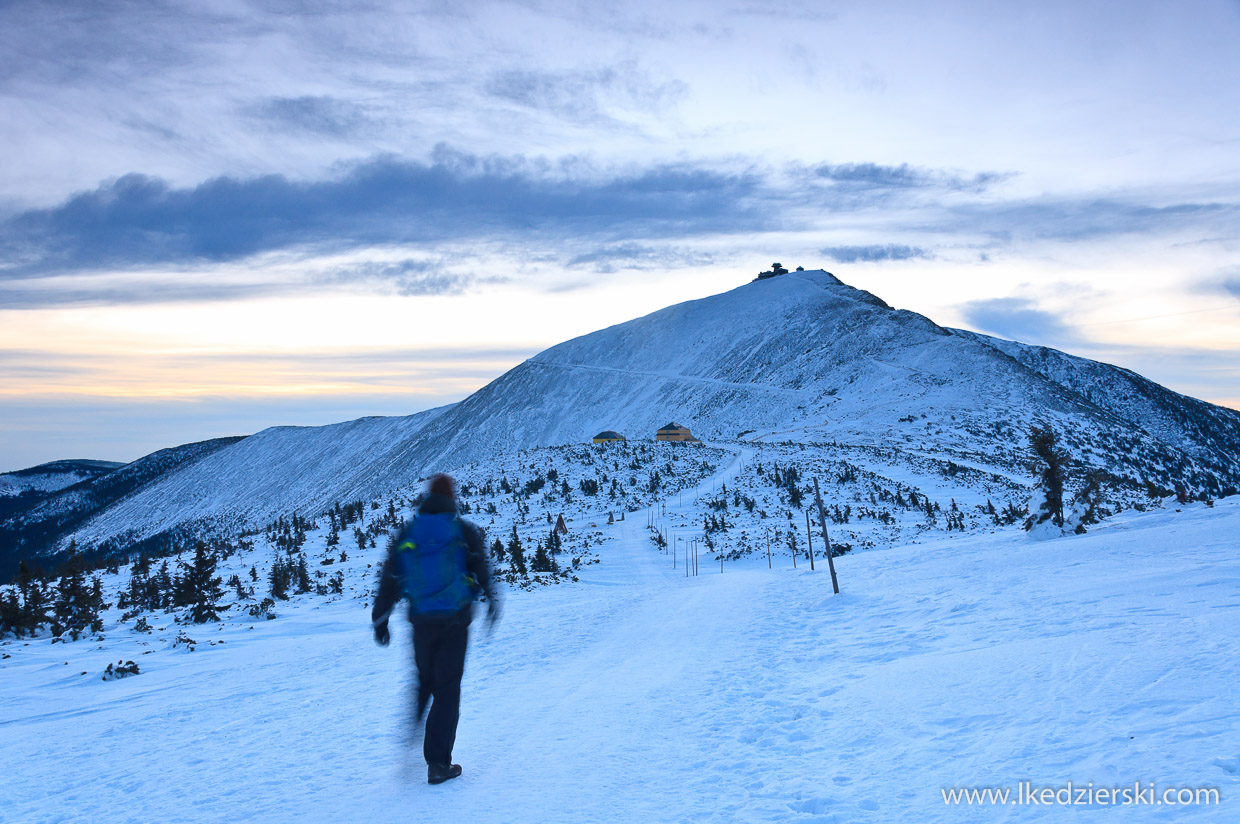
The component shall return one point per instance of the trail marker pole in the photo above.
(768, 549)
(809, 540)
(822, 519)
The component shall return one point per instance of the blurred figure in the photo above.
(438, 563)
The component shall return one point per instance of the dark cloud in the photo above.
(1019, 319)
(607, 219)
(106, 291)
(609, 259)
(62, 43)
(904, 176)
(874, 253)
(140, 221)
(1083, 219)
(404, 277)
(321, 115)
(409, 277)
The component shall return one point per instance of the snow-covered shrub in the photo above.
(121, 669)
(264, 609)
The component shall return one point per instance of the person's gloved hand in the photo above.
(382, 635)
(493, 610)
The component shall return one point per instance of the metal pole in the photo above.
(822, 519)
(809, 540)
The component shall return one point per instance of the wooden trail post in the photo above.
(809, 540)
(822, 519)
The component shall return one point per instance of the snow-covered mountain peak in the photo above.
(800, 356)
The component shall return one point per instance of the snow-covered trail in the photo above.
(643, 696)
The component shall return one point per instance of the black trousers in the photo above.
(439, 652)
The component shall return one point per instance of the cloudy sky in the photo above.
(220, 216)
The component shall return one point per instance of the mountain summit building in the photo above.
(674, 432)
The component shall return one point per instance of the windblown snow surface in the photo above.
(643, 695)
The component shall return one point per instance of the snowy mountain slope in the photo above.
(49, 477)
(801, 351)
(800, 354)
(22, 490)
(1209, 432)
(277, 471)
(46, 518)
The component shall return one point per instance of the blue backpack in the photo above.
(430, 553)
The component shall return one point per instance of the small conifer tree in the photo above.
(34, 598)
(10, 614)
(1051, 479)
(304, 584)
(542, 561)
(72, 610)
(203, 586)
(279, 580)
(517, 553)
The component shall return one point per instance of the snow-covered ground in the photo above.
(640, 695)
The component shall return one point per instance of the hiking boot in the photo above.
(439, 773)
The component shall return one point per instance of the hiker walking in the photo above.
(438, 563)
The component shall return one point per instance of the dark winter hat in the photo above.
(441, 484)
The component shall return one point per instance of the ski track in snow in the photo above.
(643, 696)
